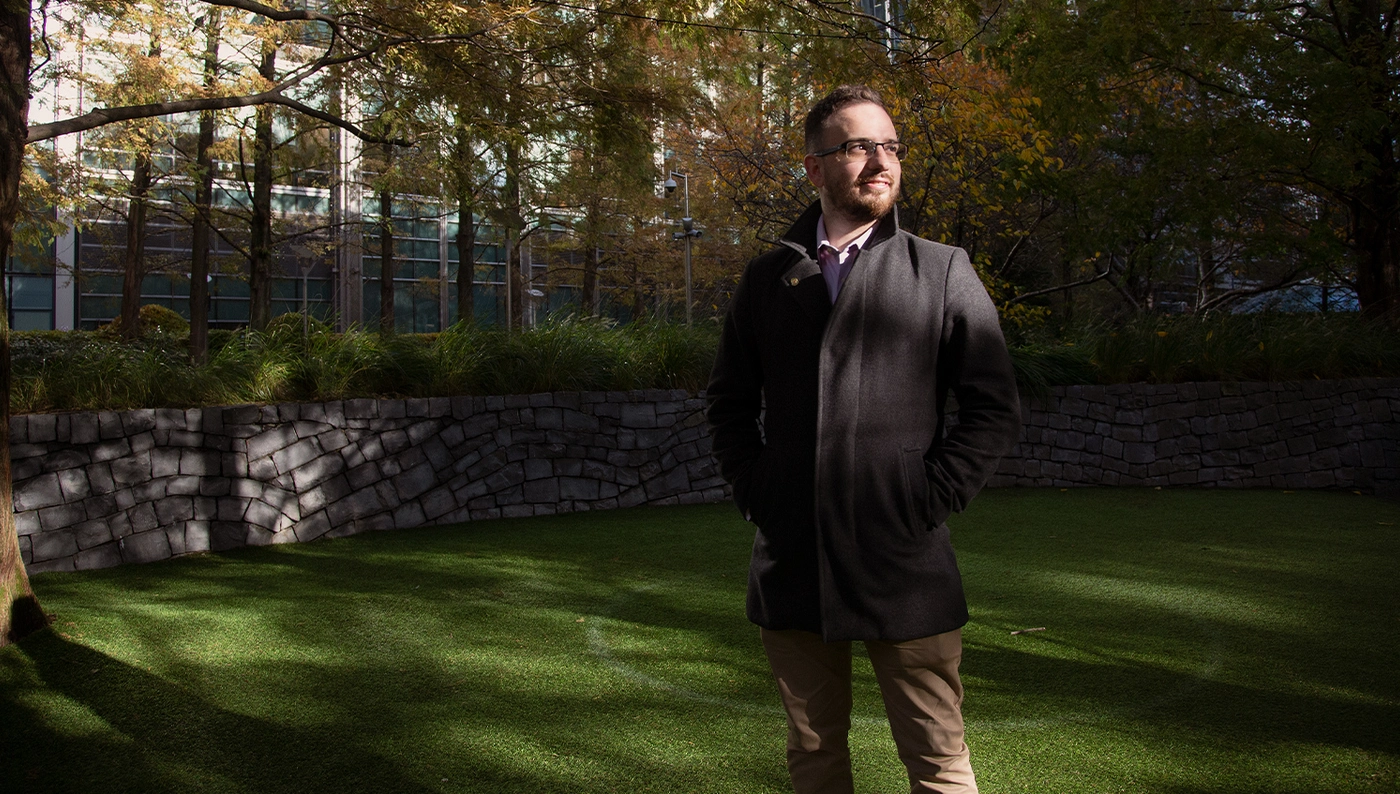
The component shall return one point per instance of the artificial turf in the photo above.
(1193, 642)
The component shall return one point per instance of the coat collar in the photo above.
(802, 236)
(803, 279)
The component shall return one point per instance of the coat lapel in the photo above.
(802, 280)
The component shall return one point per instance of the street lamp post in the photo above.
(689, 232)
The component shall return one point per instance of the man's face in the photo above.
(860, 189)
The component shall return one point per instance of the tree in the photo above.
(1293, 106)
(20, 613)
(355, 36)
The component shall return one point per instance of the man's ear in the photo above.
(814, 171)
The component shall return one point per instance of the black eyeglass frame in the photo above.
(901, 150)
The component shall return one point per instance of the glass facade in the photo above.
(425, 255)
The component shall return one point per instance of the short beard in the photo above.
(860, 208)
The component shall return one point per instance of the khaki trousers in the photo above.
(923, 701)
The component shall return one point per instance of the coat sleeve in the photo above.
(735, 395)
(974, 365)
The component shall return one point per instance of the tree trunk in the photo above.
(203, 199)
(134, 260)
(588, 300)
(466, 261)
(386, 247)
(1374, 200)
(592, 240)
(260, 229)
(20, 614)
(466, 229)
(515, 298)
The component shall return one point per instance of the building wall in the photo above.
(100, 489)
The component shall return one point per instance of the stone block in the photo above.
(62, 516)
(43, 429)
(437, 454)
(150, 491)
(174, 509)
(437, 503)
(312, 526)
(149, 546)
(318, 471)
(536, 468)
(42, 491)
(137, 422)
(1139, 453)
(262, 514)
(418, 432)
(1301, 445)
(108, 555)
(176, 536)
(364, 475)
(93, 533)
(131, 469)
(409, 516)
(415, 482)
(632, 497)
(505, 477)
(53, 545)
(541, 491)
(83, 428)
(262, 469)
(142, 517)
(165, 462)
(298, 454)
(638, 415)
(394, 441)
(577, 488)
(270, 441)
(200, 462)
(225, 535)
(26, 468)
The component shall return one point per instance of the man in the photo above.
(847, 339)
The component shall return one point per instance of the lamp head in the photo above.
(670, 185)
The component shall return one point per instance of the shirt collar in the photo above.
(858, 243)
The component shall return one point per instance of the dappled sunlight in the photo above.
(610, 652)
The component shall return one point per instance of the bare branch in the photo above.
(102, 116)
(276, 14)
(1061, 288)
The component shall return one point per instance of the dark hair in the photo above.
(842, 96)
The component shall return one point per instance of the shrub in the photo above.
(297, 360)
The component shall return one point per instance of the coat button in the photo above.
(792, 282)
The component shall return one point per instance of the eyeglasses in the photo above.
(864, 150)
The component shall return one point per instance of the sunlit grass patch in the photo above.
(1193, 641)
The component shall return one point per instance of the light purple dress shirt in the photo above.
(836, 265)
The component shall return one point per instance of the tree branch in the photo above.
(102, 116)
(1061, 288)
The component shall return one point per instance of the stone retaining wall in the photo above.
(1313, 434)
(99, 489)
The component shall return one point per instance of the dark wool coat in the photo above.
(852, 472)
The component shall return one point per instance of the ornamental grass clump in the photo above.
(296, 359)
(303, 360)
(1259, 347)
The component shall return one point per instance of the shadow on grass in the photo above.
(163, 738)
(1166, 702)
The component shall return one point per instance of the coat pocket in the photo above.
(916, 486)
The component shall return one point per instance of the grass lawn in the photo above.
(1194, 641)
